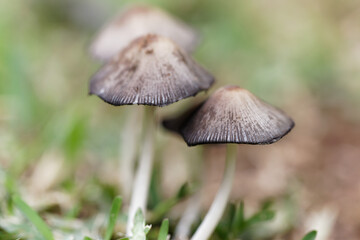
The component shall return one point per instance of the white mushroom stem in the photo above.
(191, 213)
(143, 172)
(217, 208)
(129, 136)
(193, 206)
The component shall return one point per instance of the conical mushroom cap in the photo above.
(139, 21)
(152, 70)
(234, 115)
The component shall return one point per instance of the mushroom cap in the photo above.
(234, 115)
(138, 21)
(152, 70)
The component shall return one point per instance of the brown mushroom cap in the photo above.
(152, 70)
(138, 21)
(234, 115)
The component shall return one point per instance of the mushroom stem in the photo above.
(193, 206)
(129, 136)
(191, 213)
(217, 208)
(143, 172)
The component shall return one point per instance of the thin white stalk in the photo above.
(129, 136)
(217, 208)
(191, 213)
(193, 206)
(143, 172)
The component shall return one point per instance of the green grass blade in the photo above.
(115, 208)
(164, 230)
(262, 216)
(87, 238)
(239, 219)
(33, 217)
(310, 236)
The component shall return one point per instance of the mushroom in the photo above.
(231, 115)
(138, 21)
(151, 71)
(134, 22)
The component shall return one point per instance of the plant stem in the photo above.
(143, 172)
(191, 213)
(217, 208)
(193, 206)
(129, 136)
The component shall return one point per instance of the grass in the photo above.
(114, 212)
(310, 236)
(164, 230)
(234, 224)
(33, 217)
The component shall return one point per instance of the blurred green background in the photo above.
(303, 56)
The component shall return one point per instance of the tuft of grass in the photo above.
(235, 225)
(115, 208)
(33, 217)
(310, 236)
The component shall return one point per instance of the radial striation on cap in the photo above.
(138, 21)
(152, 70)
(234, 115)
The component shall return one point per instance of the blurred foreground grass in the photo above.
(58, 147)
